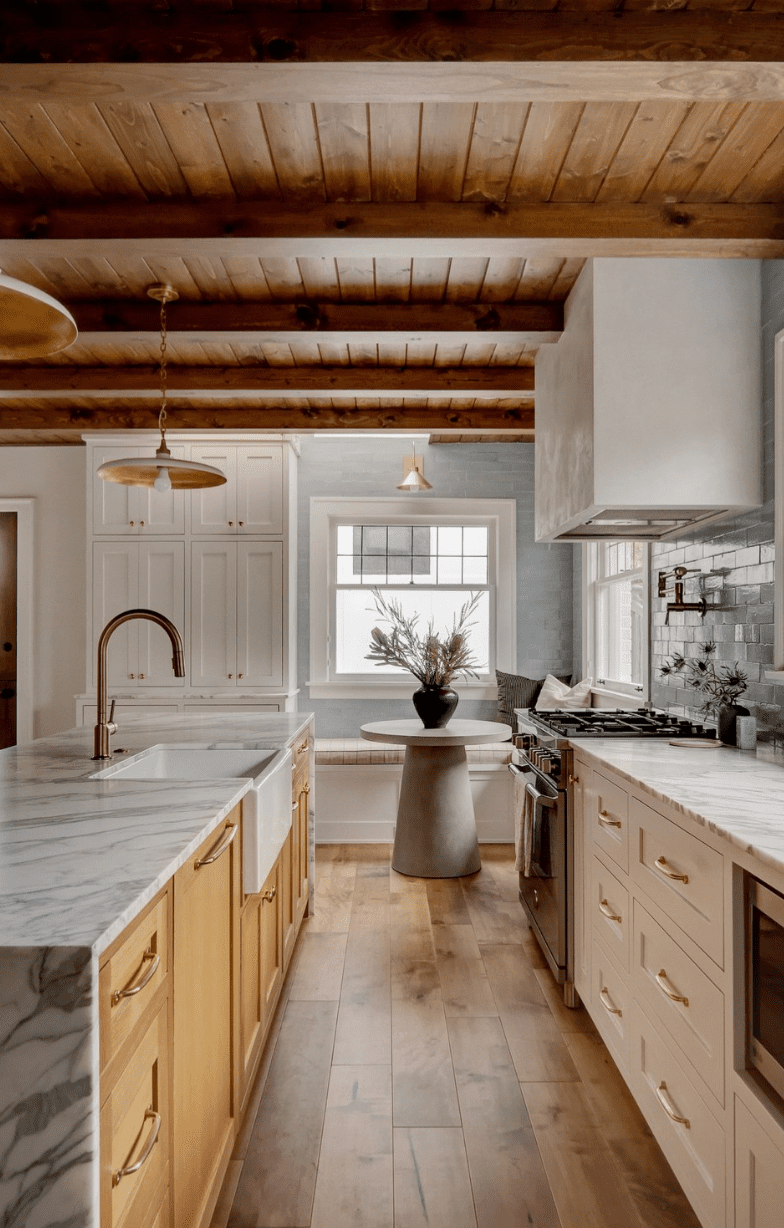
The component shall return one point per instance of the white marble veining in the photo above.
(737, 795)
(79, 859)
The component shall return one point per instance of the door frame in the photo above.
(24, 614)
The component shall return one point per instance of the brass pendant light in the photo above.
(163, 471)
(415, 479)
(33, 323)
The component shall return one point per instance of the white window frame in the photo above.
(777, 673)
(622, 691)
(327, 513)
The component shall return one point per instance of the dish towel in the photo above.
(524, 830)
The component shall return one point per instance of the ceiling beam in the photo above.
(280, 418)
(265, 229)
(129, 320)
(272, 381)
(85, 33)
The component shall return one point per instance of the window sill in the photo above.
(393, 690)
(620, 699)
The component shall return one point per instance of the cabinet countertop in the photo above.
(79, 858)
(737, 795)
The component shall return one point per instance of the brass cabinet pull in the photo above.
(269, 895)
(155, 1118)
(219, 848)
(131, 675)
(574, 780)
(605, 1001)
(667, 1105)
(231, 524)
(141, 522)
(606, 821)
(605, 908)
(132, 523)
(301, 749)
(241, 523)
(306, 788)
(663, 868)
(667, 990)
(134, 986)
(142, 675)
(230, 675)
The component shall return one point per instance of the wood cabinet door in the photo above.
(261, 969)
(301, 820)
(260, 613)
(213, 613)
(214, 508)
(271, 943)
(260, 489)
(161, 588)
(116, 588)
(288, 885)
(206, 891)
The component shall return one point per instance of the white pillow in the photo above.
(555, 694)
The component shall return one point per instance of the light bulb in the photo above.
(163, 482)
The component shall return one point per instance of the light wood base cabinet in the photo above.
(261, 966)
(759, 1174)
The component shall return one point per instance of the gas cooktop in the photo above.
(617, 723)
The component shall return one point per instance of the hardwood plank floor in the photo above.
(424, 1073)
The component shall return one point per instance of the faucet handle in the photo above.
(110, 721)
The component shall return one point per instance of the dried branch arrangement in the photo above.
(434, 659)
(724, 685)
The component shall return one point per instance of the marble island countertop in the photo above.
(737, 795)
(79, 858)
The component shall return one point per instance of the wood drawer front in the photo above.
(759, 1165)
(610, 819)
(660, 850)
(696, 1152)
(661, 973)
(127, 1128)
(300, 762)
(610, 912)
(131, 976)
(610, 1000)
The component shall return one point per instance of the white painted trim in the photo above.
(777, 673)
(325, 511)
(25, 613)
(621, 690)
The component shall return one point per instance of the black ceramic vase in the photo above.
(726, 720)
(435, 705)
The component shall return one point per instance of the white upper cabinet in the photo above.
(132, 575)
(237, 614)
(134, 510)
(260, 602)
(251, 501)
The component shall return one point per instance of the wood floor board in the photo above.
(502, 870)
(411, 977)
(465, 987)
(494, 919)
(508, 1180)
(568, 1020)
(455, 941)
(447, 902)
(332, 904)
(278, 1178)
(319, 971)
(511, 976)
(364, 1029)
(432, 1184)
(535, 1041)
(354, 1188)
(423, 1079)
(369, 912)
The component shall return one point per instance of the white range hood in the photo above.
(648, 409)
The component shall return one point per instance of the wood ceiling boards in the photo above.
(362, 211)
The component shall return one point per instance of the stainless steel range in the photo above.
(543, 770)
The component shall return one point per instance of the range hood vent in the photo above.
(648, 409)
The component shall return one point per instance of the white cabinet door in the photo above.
(162, 514)
(759, 1165)
(213, 613)
(260, 489)
(161, 588)
(116, 588)
(260, 613)
(134, 510)
(214, 509)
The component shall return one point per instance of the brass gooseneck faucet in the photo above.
(105, 728)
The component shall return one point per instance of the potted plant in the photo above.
(720, 687)
(434, 659)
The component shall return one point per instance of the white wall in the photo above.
(55, 479)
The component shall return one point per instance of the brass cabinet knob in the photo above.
(240, 675)
(269, 896)
(131, 675)
(241, 523)
(131, 523)
(231, 524)
(230, 675)
(306, 788)
(142, 675)
(141, 522)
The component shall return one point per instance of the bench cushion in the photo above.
(337, 751)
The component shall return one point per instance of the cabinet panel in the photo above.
(260, 489)
(271, 942)
(610, 999)
(611, 820)
(260, 613)
(610, 912)
(161, 588)
(214, 508)
(131, 976)
(116, 588)
(213, 613)
(759, 1165)
(134, 510)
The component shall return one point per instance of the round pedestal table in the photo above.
(435, 835)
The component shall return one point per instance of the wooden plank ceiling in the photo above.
(372, 219)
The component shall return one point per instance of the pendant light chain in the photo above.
(162, 415)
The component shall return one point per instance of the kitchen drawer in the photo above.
(759, 1165)
(135, 1131)
(135, 969)
(663, 974)
(682, 875)
(610, 998)
(610, 819)
(694, 1145)
(300, 762)
(610, 912)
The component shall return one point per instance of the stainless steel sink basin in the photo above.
(266, 807)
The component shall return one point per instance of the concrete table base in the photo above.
(435, 836)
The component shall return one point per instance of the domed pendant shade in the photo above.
(32, 323)
(162, 471)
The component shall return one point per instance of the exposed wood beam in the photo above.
(270, 381)
(533, 323)
(281, 418)
(71, 32)
(420, 228)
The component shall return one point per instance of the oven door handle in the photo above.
(542, 799)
